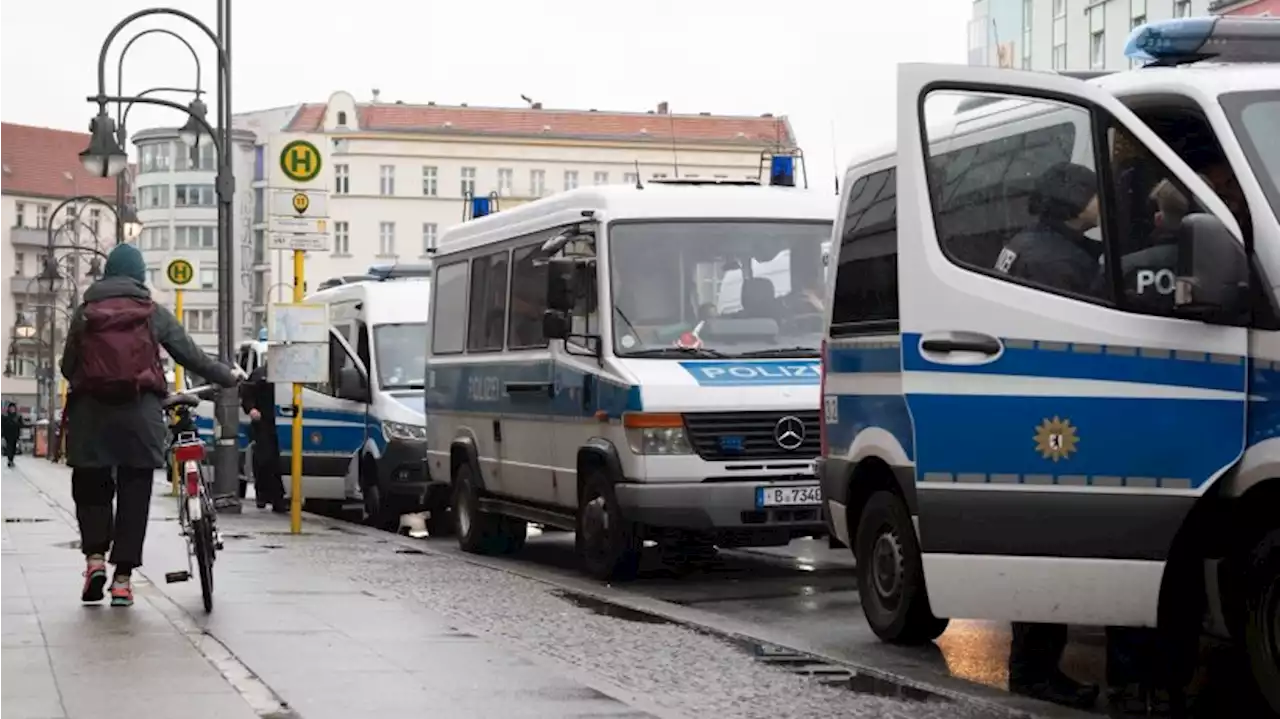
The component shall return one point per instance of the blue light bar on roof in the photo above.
(1225, 39)
(479, 207)
(782, 171)
(262, 334)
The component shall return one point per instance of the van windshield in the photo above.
(401, 355)
(1255, 118)
(713, 288)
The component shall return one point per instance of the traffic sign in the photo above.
(179, 272)
(300, 203)
(300, 161)
(310, 241)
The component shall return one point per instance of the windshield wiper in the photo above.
(781, 352)
(677, 352)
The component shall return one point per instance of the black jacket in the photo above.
(257, 393)
(13, 426)
(1053, 255)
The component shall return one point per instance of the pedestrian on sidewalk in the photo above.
(117, 432)
(258, 398)
(12, 431)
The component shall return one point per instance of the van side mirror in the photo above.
(1213, 273)
(352, 385)
(556, 325)
(561, 284)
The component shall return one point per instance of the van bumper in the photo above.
(402, 471)
(725, 509)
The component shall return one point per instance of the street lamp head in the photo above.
(95, 268)
(190, 132)
(50, 274)
(130, 222)
(103, 157)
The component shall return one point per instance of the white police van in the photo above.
(581, 375)
(363, 431)
(1000, 447)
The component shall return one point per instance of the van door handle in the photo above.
(944, 345)
(527, 387)
(286, 411)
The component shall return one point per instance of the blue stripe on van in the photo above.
(480, 388)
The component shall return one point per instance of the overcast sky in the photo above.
(824, 63)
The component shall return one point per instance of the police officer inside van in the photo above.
(1054, 252)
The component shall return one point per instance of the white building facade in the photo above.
(1075, 35)
(178, 207)
(397, 174)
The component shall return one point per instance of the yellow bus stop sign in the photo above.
(301, 202)
(180, 272)
(300, 161)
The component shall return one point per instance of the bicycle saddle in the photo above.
(180, 400)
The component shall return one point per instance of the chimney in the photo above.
(663, 109)
(537, 106)
(376, 92)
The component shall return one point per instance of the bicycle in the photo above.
(197, 518)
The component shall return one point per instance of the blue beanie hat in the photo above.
(126, 261)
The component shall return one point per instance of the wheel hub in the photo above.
(886, 565)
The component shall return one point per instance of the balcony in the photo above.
(29, 236)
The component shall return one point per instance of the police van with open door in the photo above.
(587, 373)
(1002, 443)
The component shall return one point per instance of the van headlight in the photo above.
(404, 432)
(651, 433)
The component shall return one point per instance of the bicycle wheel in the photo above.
(202, 533)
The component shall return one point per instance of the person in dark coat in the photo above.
(114, 447)
(1054, 252)
(12, 431)
(258, 398)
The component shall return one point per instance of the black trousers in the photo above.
(1035, 651)
(123, 530)
(10, 448)
(268, 485)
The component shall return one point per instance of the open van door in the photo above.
(1064, 424)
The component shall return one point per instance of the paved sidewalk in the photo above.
(284, 639)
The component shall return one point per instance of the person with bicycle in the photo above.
(116, 428)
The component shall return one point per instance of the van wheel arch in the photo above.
(869, 476)
(1248, 519)
(599, 453)
(463, 451)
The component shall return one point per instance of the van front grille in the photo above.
(728, 436)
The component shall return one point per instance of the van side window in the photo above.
(1025, 201)
(449, 327)
(866, 291)
(528, 299)
(487, 312)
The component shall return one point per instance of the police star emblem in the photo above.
(1056, 439)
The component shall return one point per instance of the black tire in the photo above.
(378, 509)
(440, 522)
(1262, 617)
(480, 532)
(608, 544)
(890, 575)
(202, 531)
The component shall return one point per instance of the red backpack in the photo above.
(119, 355)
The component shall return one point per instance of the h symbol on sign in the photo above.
(299, 160)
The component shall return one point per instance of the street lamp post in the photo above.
(106, 157)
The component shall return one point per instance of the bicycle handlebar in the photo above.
(190, 397)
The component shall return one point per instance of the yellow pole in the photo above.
(177, 387)
(295, 457)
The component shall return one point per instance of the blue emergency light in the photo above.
(1187, 40)
(782, 171)
(262, 335)
(479, 207)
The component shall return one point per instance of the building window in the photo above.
(1182, 8)
(537, 182)
(1060, 56)
(19, 262)
(341, 242)
(429, 232)
(600, 178)
(154, 238)
(630, 178)
(152, 197)
(194, 237)
(20, 214)
(468, 181)
(208, 278)
(155, 157)
(201, 157)
(342, 119)
(341, 179)
(1059, 8)
(200, 320)
(153, 276)
(1138, 21)
(386, 239)
(387, 180)
(1098, 50)
(429, 185)
(570, 179)
(506, 181)
(95, 220)
(194, 196)
(42, 216)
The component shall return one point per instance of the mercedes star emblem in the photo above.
(789, 433)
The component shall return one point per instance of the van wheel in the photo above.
(608, 544)
(377, 509)
(481, 532)
(890, 574)
(1262, 617)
